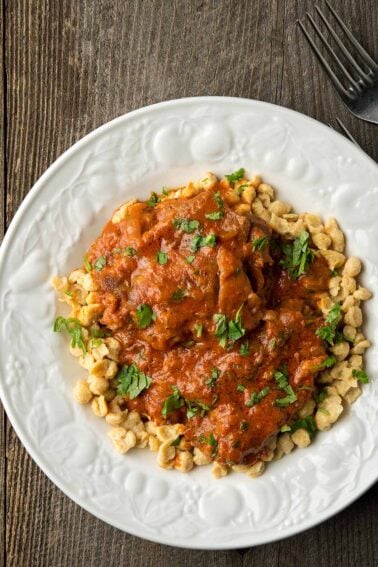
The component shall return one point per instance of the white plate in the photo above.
(315, 169)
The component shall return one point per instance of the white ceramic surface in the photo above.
(315, 169)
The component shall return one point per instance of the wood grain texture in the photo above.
(70, 66)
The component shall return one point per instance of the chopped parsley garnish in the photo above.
(259, 243)
(361, 376)
(100, 263)
(173, 402)
(199, 241)
(298, 256)
(132, 381)
(236, 176)
(284, 428)
(87, 264)
(329, 362)
(198, 329)
(73, 328)
(68, 293)
(117, 250)
(176, 442)
(244, 425)
(186, 225)
(244, 349)
(209, 440)
(323, 394)
(162, 258)
(179, 294)
(198, 408)
(256, 397)
(289, 399)
(129, 251)
(218, 199)
(98, 333)
(240, 388)
(231, 330)
(241, 188)
(329, 333)
(307, 423)
(272, 344)
(144, 315)
(282, 379)
(190, 259)
(217, 215)
(215, 373)
(95, 343)
(165, 191)
(153, 200)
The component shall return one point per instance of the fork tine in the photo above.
(362, 52)
(368, 79)
(346, 131)
(334, 79)
(333, 54)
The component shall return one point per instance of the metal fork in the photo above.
(359, 92)
(344, 131)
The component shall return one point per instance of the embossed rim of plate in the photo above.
(291, 117)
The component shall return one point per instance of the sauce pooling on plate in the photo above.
(211, 310)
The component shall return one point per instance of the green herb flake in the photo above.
(218, 199)
(190, 259)
(217, 215)
(100, 263)
(186, 225)
(199, 241)
(298, 256)
(289, 399)
(329, 362)
(117, 250)
(215, 373)
(241, 188)
(285, 428)
(132, 381)
(244, 425)
(87, 264)
(173, 402)
(68, 293)
(328, 333)
(361, 376)
(210, 440)
(307, 423)
(144, 315)
(244, 349)
(198, 329)
(256, 397)
(240, 388)
(272, 344)
(165, 191)
(162, 258)
(323, 410)
(321, 396)
(258, 244)
(179, 295)
(153, 200)
(235, 176)
(129, 251)
(73, 328)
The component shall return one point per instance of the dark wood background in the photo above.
(68, 66)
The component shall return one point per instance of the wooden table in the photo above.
(68, 66)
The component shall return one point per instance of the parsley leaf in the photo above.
(198, 408)
(198, 329)
(144, 315)
(199, 241)
(87, 264)
(231, 330)
(218, 199)
(328, 332)
(190, 259)
(215, 373)
(307, 423)
(240, 388)
(217, 215)
(209, 440)
(361, 376)
(132, 381)
(100, 263)
(153, 200)
(186, 225)
(256, 397)
(259, 243)
(323, 394)
(236, 176)
(287, 400)
(129, 251)
(179, 294)
(235, 329)
(244, 425)
(244, 349)
(329, 362)
(162, 258)
(285, 428)
(73, 328)
(173, 402)
(241, 188)
(298, 256)
(220, 321)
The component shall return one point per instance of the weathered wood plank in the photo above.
(71, 66)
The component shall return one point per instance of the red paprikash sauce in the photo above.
(279, 316)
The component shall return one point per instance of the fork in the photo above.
(345, 131)
(359, 92)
